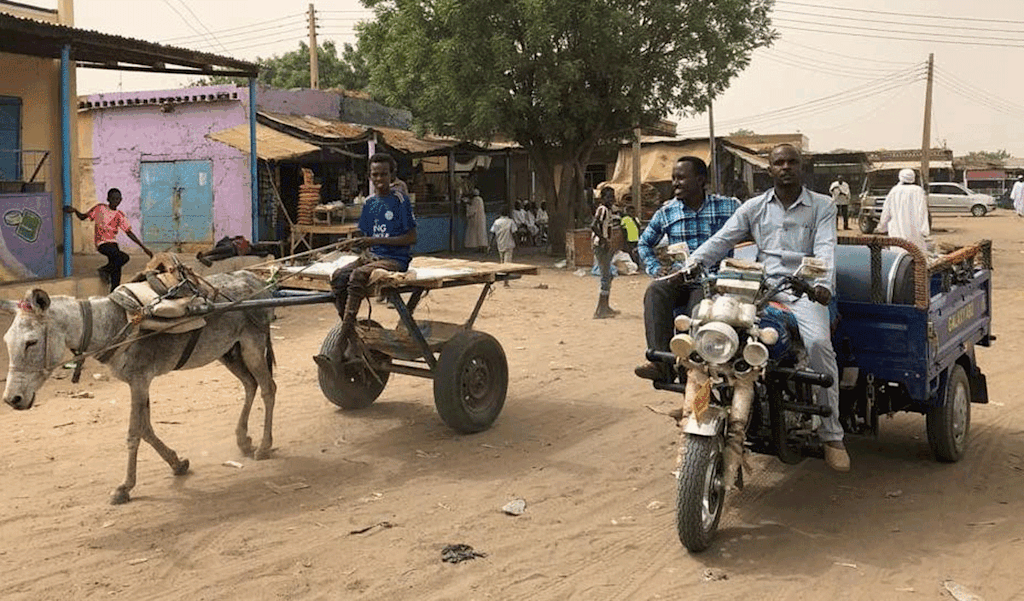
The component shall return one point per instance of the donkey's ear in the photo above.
(38, 299)
(8, 306)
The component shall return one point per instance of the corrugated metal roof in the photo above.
(324, 130)
(271, 145)
(410, 143)
(105, 51)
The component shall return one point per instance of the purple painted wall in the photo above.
(126, 133)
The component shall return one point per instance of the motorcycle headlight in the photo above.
(716, 342)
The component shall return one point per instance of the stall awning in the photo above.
(747, 157)
(271, 145)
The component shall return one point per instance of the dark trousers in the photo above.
(662, 297)
(116, 259)
(844, 212)
(349, 283)
(603, 254)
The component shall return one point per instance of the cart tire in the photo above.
(950, 423)
(700, 492)
(470, 382)
(866, 224)
(357, 388)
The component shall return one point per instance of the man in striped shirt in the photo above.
(692, 216)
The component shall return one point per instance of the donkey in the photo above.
(44, 327)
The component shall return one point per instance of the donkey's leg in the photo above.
(257, 356)
(233, 361)
(140, 428)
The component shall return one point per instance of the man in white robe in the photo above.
(1017, 195)
(476, 223)
(905, 211)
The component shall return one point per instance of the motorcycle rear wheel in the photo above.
(700, 492)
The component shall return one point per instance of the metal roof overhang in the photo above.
(271, 145)
(95, 50)
(915, 164)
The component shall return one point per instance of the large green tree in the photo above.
(559, 77)
(291, 69)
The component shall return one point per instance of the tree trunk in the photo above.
(563, 190)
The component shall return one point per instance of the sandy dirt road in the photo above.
(574, 440)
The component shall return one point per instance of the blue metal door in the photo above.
(10, 138)
(177, 204)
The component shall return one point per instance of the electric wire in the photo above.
(942, 27)
(845, 56)
(825, 103)
(900, 38)
(897, 14)
(241, 29)
(854, 28)
(201, 24)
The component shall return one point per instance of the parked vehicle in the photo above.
(904, 341)
(943, 197)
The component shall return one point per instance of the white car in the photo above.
(950, 197)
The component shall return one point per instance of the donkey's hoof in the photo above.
(120, 497)
(182, 468)
(263, 454)
(246, 447)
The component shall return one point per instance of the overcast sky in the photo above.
(845, 73)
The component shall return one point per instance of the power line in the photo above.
(826, 103)
(987, 94)
(826, 67)
(243, 29)
(184, 20)
(201, 24)
(940, 26)
(846, 56)
(895, 14)
(876, 29)
(248, 35)
(903, 38)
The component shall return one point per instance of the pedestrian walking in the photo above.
(602, 229)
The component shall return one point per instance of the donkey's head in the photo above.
(35, 347)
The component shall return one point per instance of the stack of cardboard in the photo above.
(309, 198)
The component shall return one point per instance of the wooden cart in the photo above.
(468, 367)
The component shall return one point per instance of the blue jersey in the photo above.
(388, 217)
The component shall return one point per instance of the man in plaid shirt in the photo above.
(692, 217)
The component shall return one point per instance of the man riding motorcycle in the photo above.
(787, 223)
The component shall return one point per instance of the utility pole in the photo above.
(314, 67)
(713, 152)
(636, 172)
(926, 141)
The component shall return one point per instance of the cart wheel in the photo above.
(470, 382)
(949, 424)
(351, 385)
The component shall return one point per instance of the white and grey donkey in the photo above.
(44, 328)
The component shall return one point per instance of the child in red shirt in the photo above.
(108, 221)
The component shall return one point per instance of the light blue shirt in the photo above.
(783, 236)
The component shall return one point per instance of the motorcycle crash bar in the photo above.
(805, 376)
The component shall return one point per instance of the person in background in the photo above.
(1017, 195)
(905, 211)
(503, 232)
(840, 191)
(631, 232)
(602, 229)
(691, 216)
(108, 221)
(476, 222)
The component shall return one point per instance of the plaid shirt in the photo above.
(681, 223)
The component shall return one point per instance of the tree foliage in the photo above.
(291, 69)
(743, 132)
(557, 77)
(995, 157)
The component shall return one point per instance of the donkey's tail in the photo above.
(270, 354)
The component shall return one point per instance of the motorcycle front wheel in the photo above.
(701, 492)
